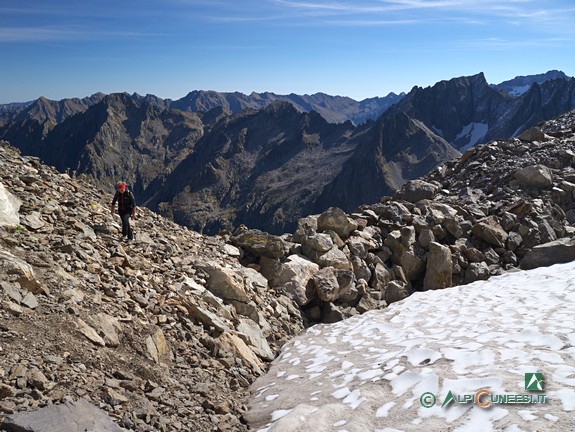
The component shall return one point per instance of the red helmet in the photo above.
(120, 185)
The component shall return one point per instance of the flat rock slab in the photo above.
(78, 416)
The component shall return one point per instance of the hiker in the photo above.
(126, 208)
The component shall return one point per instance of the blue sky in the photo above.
(356, 48)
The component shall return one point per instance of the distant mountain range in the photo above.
(335, 109)
(215, 160)
(521, 84)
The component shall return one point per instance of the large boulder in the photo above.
(439, 267)
(331, 283)
(260, 243)
(416, 190)
(395, 291)
(555, 252)
(490, 231)
(335, 219)
(225, 283)
(476, 271)
(22, 272)
(334, 258)
(535, 175)
(295, 279)
(533, 134)
(318, 242)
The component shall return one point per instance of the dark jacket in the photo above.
(126, 201)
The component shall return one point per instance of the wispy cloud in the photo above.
(54, 34)
(82, 10)
(373, 22)
(34, 34)
(556, 16)
(53, 11)
(525, 8)
(242, 18)
(507, 44)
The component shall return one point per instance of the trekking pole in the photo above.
(134, 227)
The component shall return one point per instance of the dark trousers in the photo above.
(126, 229)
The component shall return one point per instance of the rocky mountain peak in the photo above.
(278, 108)
(521, 84)
(40, 110)
(119, 100)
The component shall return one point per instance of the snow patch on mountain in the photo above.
(519, 90)
(472, 133)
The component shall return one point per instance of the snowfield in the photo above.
(375, 372)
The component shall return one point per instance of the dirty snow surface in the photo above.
(375, 372)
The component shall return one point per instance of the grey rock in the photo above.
(490, 231)
(426, 237)
(395, 291)
(359, 246)
(412, 264)
(514, 240)
(416, 190)
(32, 221)
(12, 291)
(360, 268)
(533, 134)
(546, 232)
(535, 175)
(439, 267)
(380, 278)
(476, 271)
(23, 272)
(226, 283)
(78, 416)
(305, 227)
(260, 243)
(334, 258)
(208, 318)
(252, 334)
(555, 252)
(295, 278)
(336, 220)
(330, 283)
(319, 242)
